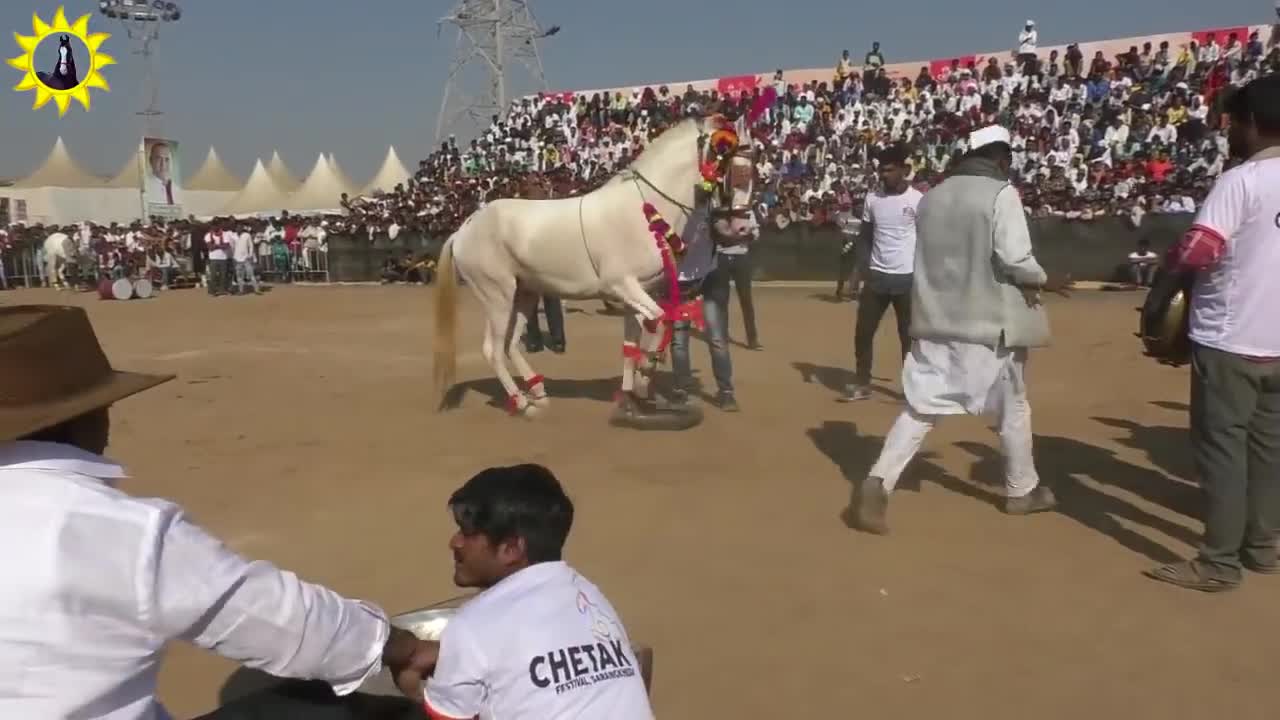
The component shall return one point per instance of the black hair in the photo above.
(895, 154)
(1258, 102)
(525, 501)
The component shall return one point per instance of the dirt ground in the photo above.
(301, 430)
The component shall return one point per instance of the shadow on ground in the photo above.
(837, 379)
(1062, 463)
(854, 454)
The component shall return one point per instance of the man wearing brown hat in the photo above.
(98, 582)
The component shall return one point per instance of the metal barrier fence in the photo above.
(26, 268)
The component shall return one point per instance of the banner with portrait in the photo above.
(161, 178)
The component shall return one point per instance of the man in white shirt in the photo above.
(218, 240)
(98, 583)
(243, 255)
(1233, 252)
(975, 312)
(1027, 42)
(161, 188)
(1143, 263)
(540, 641)
(889, 232)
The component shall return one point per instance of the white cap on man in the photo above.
(1031, 23)
(988, 135)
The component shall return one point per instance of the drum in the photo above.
(1164, 319)
(104, 289)
(142, 288)
(122, 289)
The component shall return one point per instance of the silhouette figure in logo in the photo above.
(64, 75)
(603, 626)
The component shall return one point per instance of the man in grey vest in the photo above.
(975, 311)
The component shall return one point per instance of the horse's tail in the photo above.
(446, 331)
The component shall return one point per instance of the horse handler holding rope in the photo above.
(975, 311)
(700, 273)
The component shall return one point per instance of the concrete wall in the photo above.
(1093, 250)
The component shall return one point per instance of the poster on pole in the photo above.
(161, 178)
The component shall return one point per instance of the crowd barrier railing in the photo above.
(25, 268)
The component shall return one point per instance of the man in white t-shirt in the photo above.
(243, 256)
(1027, 41)
(540, 641)
(1233, 250)
(1143, 263)
(218, 240)
(889, 231)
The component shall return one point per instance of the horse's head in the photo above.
(727, 166)
(66, 58)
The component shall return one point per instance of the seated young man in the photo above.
(1143, 263)
(540, 641)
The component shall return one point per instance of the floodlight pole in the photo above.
(142, 34)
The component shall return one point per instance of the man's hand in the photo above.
(1059, 284)
(410, 661)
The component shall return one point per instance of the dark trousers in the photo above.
(846, 272)
(1235, 439)
(219, 277)
(879, 291)
(298, 700)
(555, 323)
(739, 269)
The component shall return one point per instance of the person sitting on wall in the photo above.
(1143, 263)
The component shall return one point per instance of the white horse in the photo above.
(58, 254)
(593, 246)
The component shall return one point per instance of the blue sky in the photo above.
(351, 77)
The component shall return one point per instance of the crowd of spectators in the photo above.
(1124, 135)
(173, 252)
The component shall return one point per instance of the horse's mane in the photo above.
(680, 132)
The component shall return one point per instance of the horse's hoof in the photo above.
(542, 402)
(529, 412)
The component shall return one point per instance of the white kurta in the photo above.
(955, 378)
(950, 377)
(958, 378)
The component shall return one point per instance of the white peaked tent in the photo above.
(284, 179)
(213, 175)
(322, 190)
(259, 194)
(392, 173)
(348, 185)
(59, 170)
(130, 176)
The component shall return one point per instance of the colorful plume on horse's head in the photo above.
(762, 103)
(724, 141)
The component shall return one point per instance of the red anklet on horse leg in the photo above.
(534, 386)
(632, 352)
(513, 404)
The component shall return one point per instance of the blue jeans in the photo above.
(715, 303)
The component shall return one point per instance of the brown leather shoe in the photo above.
(1037, 501)
(873, 506)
